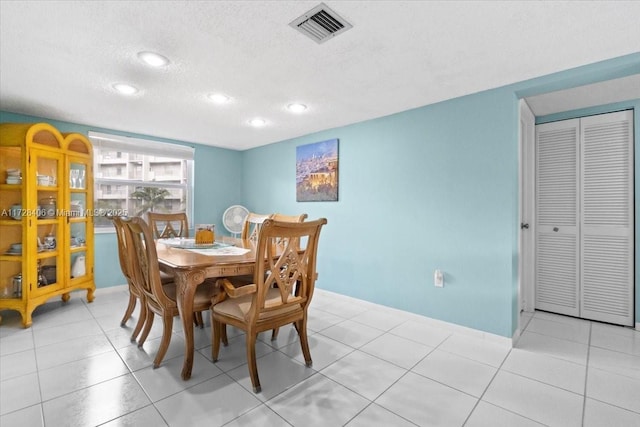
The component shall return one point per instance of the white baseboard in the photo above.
(494, 338)
(637, 326)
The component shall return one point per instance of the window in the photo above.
(136, 176)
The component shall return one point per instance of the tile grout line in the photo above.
(586, 375)
(487, 388)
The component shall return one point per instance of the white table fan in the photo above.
(233, 219)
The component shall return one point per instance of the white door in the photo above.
(526, 288)
(607, 218)
(584, 217)
(557, 256)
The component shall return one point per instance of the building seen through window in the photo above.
(134, 176)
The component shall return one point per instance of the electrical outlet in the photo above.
(438, 279)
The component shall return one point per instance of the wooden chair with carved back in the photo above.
(167, 226)
(135, 294)
(284, 281)
(160, 297)
(164, 224)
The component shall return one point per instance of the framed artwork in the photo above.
(317, 172)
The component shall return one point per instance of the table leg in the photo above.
(186, 284)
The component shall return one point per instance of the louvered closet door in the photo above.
(557, 204)
(607, 218)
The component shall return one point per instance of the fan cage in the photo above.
(233, 218)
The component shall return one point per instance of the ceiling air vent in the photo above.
(320, 24)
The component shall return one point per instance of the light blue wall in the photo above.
(216, 170)
(434, 187)
(429, 188)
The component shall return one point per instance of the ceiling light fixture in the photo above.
(296, 108)
(153, 59)
(125, 89)
(219, 98)
(257, 123)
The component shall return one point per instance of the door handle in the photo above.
(524, 225)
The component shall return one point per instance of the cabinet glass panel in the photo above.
(78, 264)
(78, 205)
(47, 172)
(78, 176)
(10, 279)
(47, 272)
(78, 235)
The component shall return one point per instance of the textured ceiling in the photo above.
(59, 59)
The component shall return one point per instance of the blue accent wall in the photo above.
(431, 188)
(407, 206)
(216, 170)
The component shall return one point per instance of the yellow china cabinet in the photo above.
(46, 221)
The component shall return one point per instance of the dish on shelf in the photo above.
(13, 252)
(11, 180)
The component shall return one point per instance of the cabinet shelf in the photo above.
(37, 149)
(13, 187)
(47, 254)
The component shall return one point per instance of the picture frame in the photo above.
(317, 172)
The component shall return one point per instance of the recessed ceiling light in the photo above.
(257, 122)
(219, 98)
(153, 59)
(125, 89)
(296, 108)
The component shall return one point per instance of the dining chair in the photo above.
(284, 281)
(285, 218)
(289, 218)
(160, 298)
(252, 225)
(135, 293)
(163, 224)
(164, 227)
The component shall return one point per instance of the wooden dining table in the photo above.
(190, 269)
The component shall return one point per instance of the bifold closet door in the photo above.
(607, 227)
(584, 217)
(557, 249)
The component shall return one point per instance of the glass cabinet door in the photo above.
(46, 171)
(11, 222)
(80, 218)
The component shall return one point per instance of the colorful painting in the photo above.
(317, 172)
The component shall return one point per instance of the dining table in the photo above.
(190, 265)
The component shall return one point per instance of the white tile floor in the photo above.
(373, 366)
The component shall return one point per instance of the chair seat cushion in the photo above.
(202, 298)
(239, 307)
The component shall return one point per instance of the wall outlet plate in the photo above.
(438, 279)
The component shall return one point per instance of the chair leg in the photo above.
(197, 319)
(148, 323)
(167, 330)
(251, 359)
(274, 334)
(223, 330)
(141, 320)
(129, 311)
(215, 338)
(301, 326)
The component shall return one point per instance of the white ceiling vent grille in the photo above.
(320, 24)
